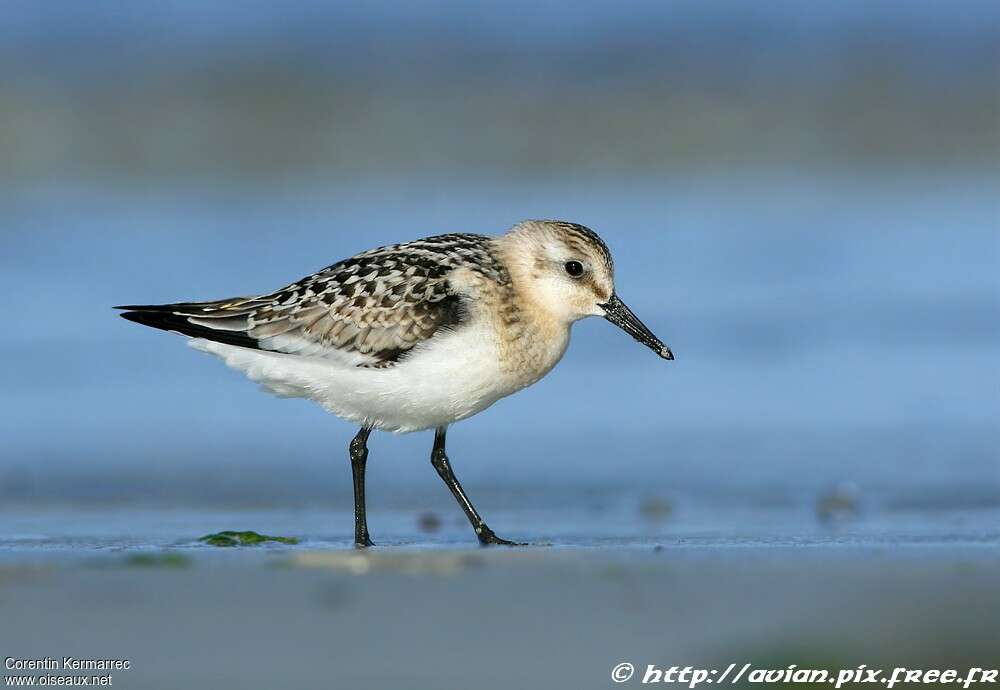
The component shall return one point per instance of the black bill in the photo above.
(618, 313)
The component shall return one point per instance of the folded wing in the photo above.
(366, 311)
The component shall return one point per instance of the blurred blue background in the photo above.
(802, 199)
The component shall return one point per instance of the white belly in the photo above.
(451, 377)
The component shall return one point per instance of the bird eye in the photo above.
(574, 268)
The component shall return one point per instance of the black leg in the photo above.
(440, 461)
(359, 458)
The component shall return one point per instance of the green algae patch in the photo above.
(158, 560)
(230, 538)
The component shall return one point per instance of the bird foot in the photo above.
(488, 537)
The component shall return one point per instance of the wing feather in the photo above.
(369, 310)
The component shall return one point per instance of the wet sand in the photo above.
(434, 613)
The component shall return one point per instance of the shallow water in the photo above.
(73, 533)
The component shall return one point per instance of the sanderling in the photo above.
(418, 335)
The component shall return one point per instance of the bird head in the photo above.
(569, 270)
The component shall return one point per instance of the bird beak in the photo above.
(620, 315)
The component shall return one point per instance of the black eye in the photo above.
(574, 268)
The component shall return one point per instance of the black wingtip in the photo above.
(145, 318)
(162, 318)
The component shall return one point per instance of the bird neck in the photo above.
(534, 338)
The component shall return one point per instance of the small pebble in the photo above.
(656, 509)
(429, 522)
(838, 503)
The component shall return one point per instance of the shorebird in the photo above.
(416, 336)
